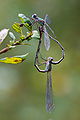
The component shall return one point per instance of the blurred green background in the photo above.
(22, 88)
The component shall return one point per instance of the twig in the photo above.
(14, 44)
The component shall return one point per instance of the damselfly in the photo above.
(49, 92)
(43, 23)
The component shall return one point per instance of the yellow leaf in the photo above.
(14, 59)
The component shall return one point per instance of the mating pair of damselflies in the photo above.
(49, 61)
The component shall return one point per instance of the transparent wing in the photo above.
(46, 39)
(47, 21)
(50, 29)
(49, 93)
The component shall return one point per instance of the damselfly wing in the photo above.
(46, 39)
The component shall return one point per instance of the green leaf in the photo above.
(14, 59)
(22, 37)
(17, 28)
(3, 34)
(27, 37)
(12, 36)
(28, 26)
(35, 34)
(26, 21)
(23, 18)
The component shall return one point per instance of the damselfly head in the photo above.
(34, 16)
(50, 58)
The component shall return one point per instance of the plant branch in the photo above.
(8, 47)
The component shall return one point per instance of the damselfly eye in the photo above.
(34, 16)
